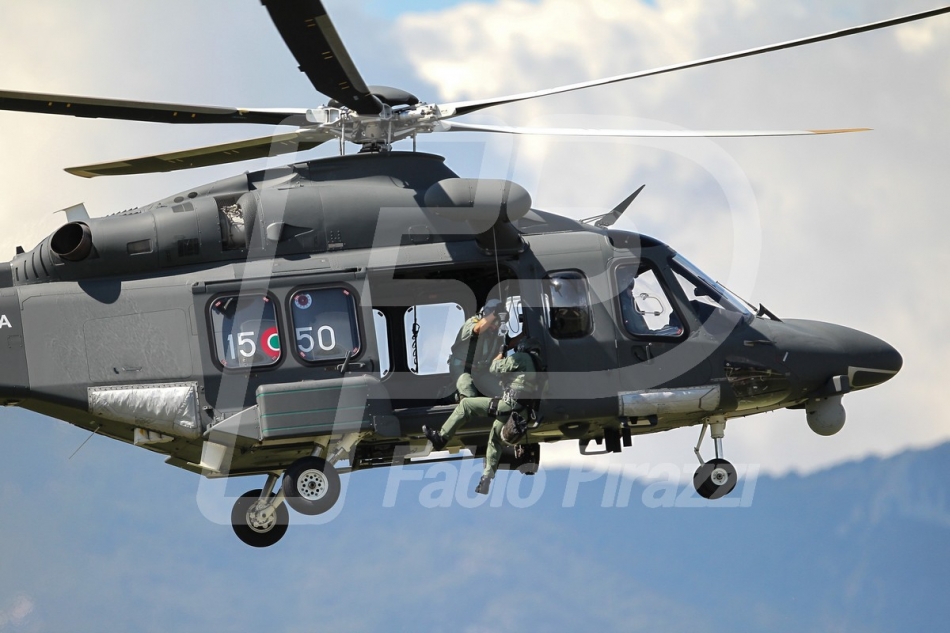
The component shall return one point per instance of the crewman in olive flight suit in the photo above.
(474, 346)
(518, 375)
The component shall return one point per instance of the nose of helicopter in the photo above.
(818, 351)
(871, 361)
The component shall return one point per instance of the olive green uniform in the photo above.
(470, 354)
(517, 374)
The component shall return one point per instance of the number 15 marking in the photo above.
(246, 344)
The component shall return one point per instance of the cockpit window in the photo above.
(644, 305)
(704, 294)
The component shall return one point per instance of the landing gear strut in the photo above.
(311, 485)
(715, 478)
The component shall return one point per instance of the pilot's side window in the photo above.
(325, 326)
(644, 305)
(246, 331)
(567, 304)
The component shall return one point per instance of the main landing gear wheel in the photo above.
(311, 485)
(716, 478)
(257, 524)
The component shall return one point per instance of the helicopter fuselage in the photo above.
(277, 311)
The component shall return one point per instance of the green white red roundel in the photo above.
(270, 342)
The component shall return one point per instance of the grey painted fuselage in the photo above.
(110, 326)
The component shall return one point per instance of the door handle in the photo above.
(643, 353)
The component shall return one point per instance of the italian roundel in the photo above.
(303, 301)
(270, 342)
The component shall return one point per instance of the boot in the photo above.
(438, 442)
(483, 485)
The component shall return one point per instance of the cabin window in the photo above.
(644, 305)
(430, 333)
(246, 331)
(567, 305)
(515, 316)
(325, 326)
(382, 342)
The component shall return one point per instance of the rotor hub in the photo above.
(387, 95)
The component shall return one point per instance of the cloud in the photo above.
(16, 613)
(851, 226)
(921, 37)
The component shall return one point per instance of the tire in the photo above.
(263, 536)
(311, 485)
(715, 479)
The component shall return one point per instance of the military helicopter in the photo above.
(281, 322)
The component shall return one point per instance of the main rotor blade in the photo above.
(465, 107)
(452, 126)
(211, 155)
(144, 111)
(314, 42)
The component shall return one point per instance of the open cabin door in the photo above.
(419, 312)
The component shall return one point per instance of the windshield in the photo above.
(700, 288)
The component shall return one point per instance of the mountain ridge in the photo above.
(861, 545)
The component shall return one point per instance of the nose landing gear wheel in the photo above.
(258, 526)
(311, 485)
(714, 479)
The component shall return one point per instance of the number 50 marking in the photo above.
(326, 339)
